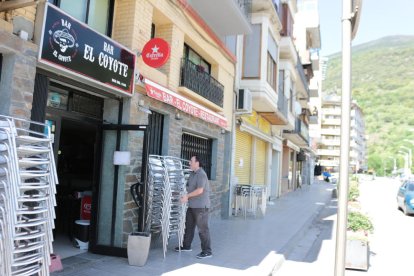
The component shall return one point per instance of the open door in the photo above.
(111, 223)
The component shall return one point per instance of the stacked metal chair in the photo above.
(166, 185)
(27, 197)
(248, 198)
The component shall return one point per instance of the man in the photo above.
(198, 192)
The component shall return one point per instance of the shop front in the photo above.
(83, 86)
(257, 154)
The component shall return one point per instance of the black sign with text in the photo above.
(78, 50)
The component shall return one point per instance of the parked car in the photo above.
(405, 197)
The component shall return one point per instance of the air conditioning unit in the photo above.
(244, 102)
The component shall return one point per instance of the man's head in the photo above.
(195, 163)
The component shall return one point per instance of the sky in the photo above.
(379, 18)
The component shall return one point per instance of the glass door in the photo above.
(115, 214)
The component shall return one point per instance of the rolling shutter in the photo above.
(243, 155)
(260, 162)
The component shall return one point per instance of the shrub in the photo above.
(359, 222)
(353, 192)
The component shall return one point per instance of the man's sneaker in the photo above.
(182, 248)
(204, 255)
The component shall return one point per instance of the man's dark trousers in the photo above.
(197, 217)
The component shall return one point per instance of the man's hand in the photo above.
(184, 199)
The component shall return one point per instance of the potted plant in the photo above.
(357, 244)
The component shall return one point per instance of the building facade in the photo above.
(329, 148)
(80, 68)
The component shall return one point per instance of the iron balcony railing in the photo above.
(245, 7)
(302, 129)
(302, 75)
(282, 104)
(196, 79)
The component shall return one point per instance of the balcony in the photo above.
(300, 135)
(327, 152)
(331, 122)
(313, 119)
(331, 142)
(266, 101)
(194, 78)
(225, 17)
(314, 87)
(331, 131)
(303, 77)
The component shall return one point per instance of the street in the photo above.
(391, 252)
(390, 255)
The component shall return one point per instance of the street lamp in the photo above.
(409, 156)
(407, 171)
(351, 12)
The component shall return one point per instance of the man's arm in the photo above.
(194, 193)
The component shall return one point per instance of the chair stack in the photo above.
(248, 198)
(166, 185)
(27, 197)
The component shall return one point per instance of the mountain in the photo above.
(383, 86)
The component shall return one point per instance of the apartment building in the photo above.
(329, 148)
(81, 67)
(274, 69)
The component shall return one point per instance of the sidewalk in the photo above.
(254, 246)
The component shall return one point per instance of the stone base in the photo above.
(357, 254)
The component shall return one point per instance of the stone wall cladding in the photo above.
(21, 61)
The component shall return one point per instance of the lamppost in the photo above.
(406, 170)
(409, 156)
(351, 12)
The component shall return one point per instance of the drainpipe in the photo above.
(233, 150)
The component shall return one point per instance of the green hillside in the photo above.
(383, 85)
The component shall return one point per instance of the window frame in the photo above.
(272, 71)
(244, 55)
(111, 6)
(207, 158)
(186, 54)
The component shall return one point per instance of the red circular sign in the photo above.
(156, 52)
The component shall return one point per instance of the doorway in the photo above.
(76, 143)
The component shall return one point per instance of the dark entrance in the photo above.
(76, 159)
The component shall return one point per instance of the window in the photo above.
(195, 58)
(271, 71)
(197, 145)
(281, 88)
(272, 57)
(62, 98)
(251, 52)
(156, 123)
(96, 13)
(291, 99)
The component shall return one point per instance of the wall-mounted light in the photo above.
(222, 131)
(143, 108)
(178, 115)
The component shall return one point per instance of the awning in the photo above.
(259, 134)
(167, 96)
(292, 146)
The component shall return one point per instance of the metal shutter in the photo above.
(244, 152)
(260, 162)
